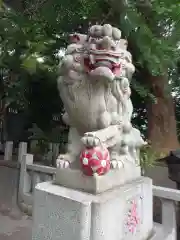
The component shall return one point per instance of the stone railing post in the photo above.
(8, 152)
(169, 216)
(169, 198)
(22, 150)
(25, 178)
(35, 180)
(55, 153)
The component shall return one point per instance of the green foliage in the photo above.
(153, 28)
(29, 46)
(148, 157)
(57, 134)
(44, 139)
(30, 41)
(143, 91)
(40, 32)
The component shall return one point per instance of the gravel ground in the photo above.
(14, 225)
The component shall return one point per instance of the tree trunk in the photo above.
(162, 131)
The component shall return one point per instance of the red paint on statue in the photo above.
(95, 161)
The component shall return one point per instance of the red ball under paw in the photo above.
(95, 160)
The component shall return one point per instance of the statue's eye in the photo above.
(93, 40)
(76, 38)
(99, 47)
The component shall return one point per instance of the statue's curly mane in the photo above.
(90, 84)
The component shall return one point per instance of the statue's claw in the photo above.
(62, 161)
(90, 140)
(115, 164)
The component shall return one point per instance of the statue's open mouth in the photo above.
(102, 58)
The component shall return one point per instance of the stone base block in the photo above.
(123, 213)
(75, 179)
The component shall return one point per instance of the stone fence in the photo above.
(32, 174)
(53, 150)
(169, 208)
(8, 151)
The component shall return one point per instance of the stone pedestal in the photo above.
(123, 213)
(75, 179)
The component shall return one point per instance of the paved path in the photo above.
(14, 225)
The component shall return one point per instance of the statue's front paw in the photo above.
(90, 140)
(62, 161)
(115, 164)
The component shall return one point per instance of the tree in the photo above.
(30, 41)
(152, 31)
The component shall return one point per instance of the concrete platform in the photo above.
(14, 225)
(75, 179)
(123, 213)
(160, 233)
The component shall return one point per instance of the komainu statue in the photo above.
(94, 86)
